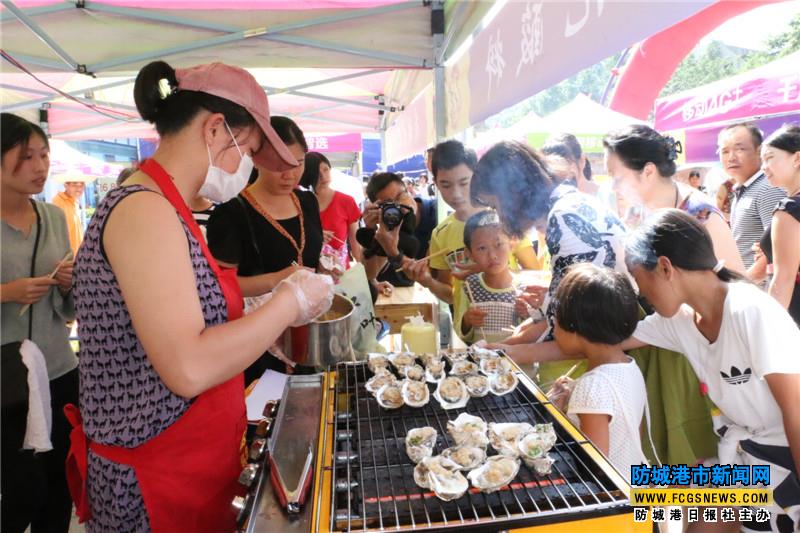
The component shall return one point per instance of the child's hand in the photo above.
(474, 317)
(561, 391)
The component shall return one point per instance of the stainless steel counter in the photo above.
(296, 430)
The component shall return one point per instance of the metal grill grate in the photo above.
(374, 488)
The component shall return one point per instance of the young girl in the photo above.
(741, 343)
(489, 295)
(596, 311)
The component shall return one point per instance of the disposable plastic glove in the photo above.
(313, 292)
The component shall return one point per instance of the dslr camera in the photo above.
(392, 214)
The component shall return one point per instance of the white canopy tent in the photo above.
(333, 65)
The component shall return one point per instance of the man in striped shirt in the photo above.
(754, 198)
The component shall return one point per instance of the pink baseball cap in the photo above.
(239, 86)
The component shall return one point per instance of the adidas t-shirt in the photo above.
(757, 337)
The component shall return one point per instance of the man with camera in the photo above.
(390, 219)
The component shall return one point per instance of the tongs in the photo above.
(292, 500)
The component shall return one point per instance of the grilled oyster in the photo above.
(390, 396)
(420, 443)
(415, 393)
(451, 393)
(376, 361)
(382, 377)
(506, 436)
(498, 471)
(434, 370)
(543, 465)
(537, 443)
(495, 365)
(477, 386)
(399, 360)
(467, 457)
(468, 430)
(456, 356)
(437, 462)
(463, 368)
(503, 383)
(428, 357)
(415, 372)
(447, 484)
(479, 353)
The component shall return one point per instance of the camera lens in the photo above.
(391, 216)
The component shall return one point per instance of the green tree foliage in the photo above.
(717, 61)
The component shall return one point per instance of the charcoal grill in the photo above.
(364, 479)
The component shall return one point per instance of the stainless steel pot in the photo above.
(323, 342)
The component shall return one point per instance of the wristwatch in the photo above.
(396, 260)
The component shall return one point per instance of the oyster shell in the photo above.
(437, 462)
(495, 365)
(467, 457)
(420, 443)
(434, 370)
(415, 393)
(537, 443)
(503, 383)
(399, 360)
(477, 386)
(506, 436)
(390, 396)
(498, 471)
(382, 377)
(463, 368)
(543, 465)
(426, 358)
(376, 361)
(468, 430)
(457, 356)
(415, 372)
(479, 353)
(447, 484)
(451, 393)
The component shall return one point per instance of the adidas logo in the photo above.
(737, 377)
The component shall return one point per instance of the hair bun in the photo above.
(154, 84)
(673, 147)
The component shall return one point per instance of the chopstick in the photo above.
(50, 276)
(568, 374)
(442, 252)
(337, 239)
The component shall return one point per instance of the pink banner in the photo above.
(770, 90)
(349, 142)
(530, 46)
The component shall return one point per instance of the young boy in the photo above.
(596, 311)
(452, 165)
(488, 295)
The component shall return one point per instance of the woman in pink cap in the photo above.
(156, 444)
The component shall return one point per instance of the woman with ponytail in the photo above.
(740, 342)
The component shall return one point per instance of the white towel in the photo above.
(40, 414)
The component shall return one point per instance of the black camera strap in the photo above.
(251, 231)
(33, 263)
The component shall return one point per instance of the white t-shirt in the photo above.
(757, 337)
(617, 390)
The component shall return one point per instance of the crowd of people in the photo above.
(656, 304)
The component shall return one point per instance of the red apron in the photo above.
(188, 473)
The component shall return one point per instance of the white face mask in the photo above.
(220, 185)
